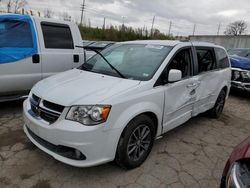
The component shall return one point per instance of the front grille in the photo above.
(48, 116)
(53, 106)
(48, 111)
(36, 98)
(64, 151)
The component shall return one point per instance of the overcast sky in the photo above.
(206, 14)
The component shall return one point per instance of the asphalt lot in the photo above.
(192, 155)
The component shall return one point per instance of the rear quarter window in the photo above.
(57, 36)
(222, 58)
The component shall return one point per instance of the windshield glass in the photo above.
(240, 52)
(15, 34)
(134, 61)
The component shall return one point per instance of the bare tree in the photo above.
(15, 5)
(236, 28)
(48, 13)
(18, 4)
(66, 16)
(9, 5)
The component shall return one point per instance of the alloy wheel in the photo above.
(139, 142)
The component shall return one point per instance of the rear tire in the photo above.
(217, 110)
(136, 142)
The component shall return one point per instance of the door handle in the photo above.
(36, 58)
(191, 85)
(76, 58)
(194, 85)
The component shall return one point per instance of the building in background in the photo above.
(228, 42)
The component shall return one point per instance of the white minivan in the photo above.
(117, 103)
(34, 48)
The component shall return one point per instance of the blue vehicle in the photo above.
(240, 61)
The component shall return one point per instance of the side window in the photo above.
(222, 59)
(206, 59)
(182, 61)
(57, 36)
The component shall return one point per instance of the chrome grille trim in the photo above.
(40, 111)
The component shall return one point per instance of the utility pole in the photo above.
(153, 22)
(82, 10)
(218, 32)
(104, 23)
(89, 23)
(170, 26)
(123, 20)
(194, 29)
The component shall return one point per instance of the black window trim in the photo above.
(217, 59)
(60, 25)
(159, 82)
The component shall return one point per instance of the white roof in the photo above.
(169, 42)
(41, 18)
(155, 42)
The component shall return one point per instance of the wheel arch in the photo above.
(150, 114)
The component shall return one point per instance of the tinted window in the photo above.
(222, 59)
(15, 34)
(206, 59)
(182, 62)
(57, 36)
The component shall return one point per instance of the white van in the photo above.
(33, 48)
(122, 99)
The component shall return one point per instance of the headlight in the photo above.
(236, 75)
(89, 115)
(238, 176)
(245, 74)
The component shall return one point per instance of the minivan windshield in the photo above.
(134, 61)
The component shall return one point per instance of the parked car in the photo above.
(34, 48)
(240, 61)
(236, 173)
(97, 45)
(117, 103)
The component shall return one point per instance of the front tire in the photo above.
(136, 142)
(217, 110)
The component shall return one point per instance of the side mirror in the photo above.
(174, 75)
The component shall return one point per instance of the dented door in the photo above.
(179, 101)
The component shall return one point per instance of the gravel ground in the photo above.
(192, 155)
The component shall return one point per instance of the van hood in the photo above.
(77, 87)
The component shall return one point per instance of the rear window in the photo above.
(15, 34)
(57, 36)
(222, 59)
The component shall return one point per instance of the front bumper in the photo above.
(97, 144)
(240, 86)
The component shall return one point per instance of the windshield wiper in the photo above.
(99, 53)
